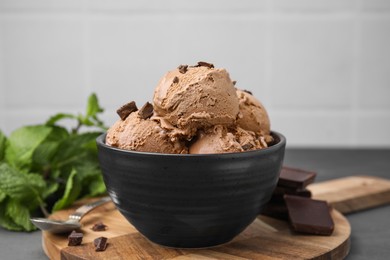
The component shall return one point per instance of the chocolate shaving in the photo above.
(125, 110)
(205, 64)
(183, 69)
(234, 82)
(100, 243)
(175, 80)
(247, 91)
(146, 111)
(75, 238)
(99, 227)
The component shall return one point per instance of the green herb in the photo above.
(47, 167)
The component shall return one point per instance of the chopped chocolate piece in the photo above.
(125, 110)
(175, 80)
(247, 91)
(75, 238)
(234, 82)
(309, 216)
(183, 69)
(99, 227)
(247, 146)
(146, 111)
(100, 243)
(295, 178)
(205, 64)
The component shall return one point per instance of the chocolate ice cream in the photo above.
(196, 97)
(196, 109)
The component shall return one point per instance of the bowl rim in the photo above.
(100, 140)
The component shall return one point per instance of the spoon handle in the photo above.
(80, 212)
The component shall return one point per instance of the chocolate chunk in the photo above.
(175, 80)
(309, 216)
(234, 82)
(247, 91)
(183, 69)
(247, 146)
(99, 227)
(75, 238)
(205, 64)
(125, 110)
(146, 111)
(295, 178)
(100, 243)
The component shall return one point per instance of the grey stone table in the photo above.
(370, 229)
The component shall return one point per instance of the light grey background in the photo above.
(321, 67)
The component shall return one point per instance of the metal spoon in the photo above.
(59, 226)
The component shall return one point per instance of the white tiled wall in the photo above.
(321, 67)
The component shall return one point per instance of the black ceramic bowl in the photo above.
(190, 201)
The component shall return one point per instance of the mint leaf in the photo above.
(93, 107)
(6, 221)
(25, 188)
(3, 140)
(54, 119)
(22, 143)
(96, 186)
(2, 196)
(19, 214)
(44, 153)
(72, 190)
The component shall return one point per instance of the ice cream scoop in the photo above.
(144, 135)
(253, 115)
(220, 139)
(196, 97)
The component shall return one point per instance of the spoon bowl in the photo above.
(61, 226)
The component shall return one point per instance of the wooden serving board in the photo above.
(265, 238)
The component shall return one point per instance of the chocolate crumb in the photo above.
(205, 64)
(175, 80)
(99, 227)
(247, 146)
(183, 69)
(146, 111)
(100, 243)
(75, 238)
(247, 91)
(234, 82)
(125, 110)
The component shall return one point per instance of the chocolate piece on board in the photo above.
(309, 216)
(146, 111)
(100, 243)
(125, 110)
(99, 227)
(295, 178)
(75, 238)
(279, 192)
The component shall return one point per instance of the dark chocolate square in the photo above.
(309, 216)
(295, 178)
(100, 243)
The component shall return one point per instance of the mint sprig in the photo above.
(46, 167)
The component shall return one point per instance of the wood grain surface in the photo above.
(265, 238)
